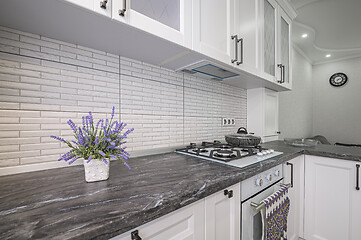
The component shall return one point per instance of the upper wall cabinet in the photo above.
(170, 19)
(275, 43)
(213, 29)
(103, 7)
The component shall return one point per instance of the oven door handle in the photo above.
(259, 206)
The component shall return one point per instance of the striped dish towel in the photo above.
(274, 216)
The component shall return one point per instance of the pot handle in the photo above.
(242, 130)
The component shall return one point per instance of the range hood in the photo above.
(209, 70)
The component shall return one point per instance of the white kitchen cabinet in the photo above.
(216, 217)
(213, 28)
(103, 7)
(247, 28)
(222, 211)
(294, 173)
(276, 43)
(332, 202)
(262, 113)
(183, 224)
(284, 49)
(171, 20)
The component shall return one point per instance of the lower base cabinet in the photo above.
(223, 214)
(294, 173)
(332, 199)
(214, 218)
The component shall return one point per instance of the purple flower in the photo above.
(91, 120)
(101, 153)
(90, 158)
(113, 111)
(72, 125)
(113, 156)
(83, 121)
(128, 131)
(110, 147)
(104, 160)
(75, 142)
(73, 160)
(58, 138)
(114, 123)
(100, 121)
(96, 140)
(126, 164)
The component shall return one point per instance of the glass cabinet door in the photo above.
(284, 48)
(269, 37)
(165, 12)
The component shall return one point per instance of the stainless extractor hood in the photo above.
(207, 69)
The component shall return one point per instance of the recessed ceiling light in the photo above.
(304, 35)
(328, 55)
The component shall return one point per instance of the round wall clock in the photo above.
(338, 79)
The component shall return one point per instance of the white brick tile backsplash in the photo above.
(9, 105)
(41, 55)
(9, 162)
(45, 82)
(9, 134)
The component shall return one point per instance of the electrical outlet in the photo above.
(228, 121)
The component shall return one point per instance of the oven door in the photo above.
(251, 221)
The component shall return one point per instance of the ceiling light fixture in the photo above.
(304, 35)
(328, 55)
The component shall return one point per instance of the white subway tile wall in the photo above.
(45, 82)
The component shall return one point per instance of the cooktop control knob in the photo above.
(259, 182)
(269, 177)
(259, 154)
(271, 150)
(277, 173)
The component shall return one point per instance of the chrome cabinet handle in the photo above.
(235, 38)
(103, 4)
(283, 73)
(357, 177)
(240, 62)
(290, 164)
(122, 11)
(280, 66)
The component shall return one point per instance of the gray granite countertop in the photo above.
(59, 204)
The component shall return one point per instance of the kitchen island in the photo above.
(59, 204)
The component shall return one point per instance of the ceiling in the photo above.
(333, 27)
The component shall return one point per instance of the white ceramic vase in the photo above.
(96, 170)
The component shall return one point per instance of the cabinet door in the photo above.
(169, 19)
(223, 215)
(271, 113)
(332, 203)
(284, 53)
(246, 27)
(269, 37)
(213, 27)
(184, 224)
(296, 195)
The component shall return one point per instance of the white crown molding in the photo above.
(302, 53)
(337, 60)
(288, 8)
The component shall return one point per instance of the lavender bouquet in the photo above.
(93, 143)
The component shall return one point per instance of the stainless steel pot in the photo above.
(242, 139)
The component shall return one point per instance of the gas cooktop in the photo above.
(227, 154)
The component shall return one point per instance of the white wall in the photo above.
(337, 110)
(295, 107)
(45, 82)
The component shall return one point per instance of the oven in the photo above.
(254, 190)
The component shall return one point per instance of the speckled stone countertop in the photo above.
(59, 204)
